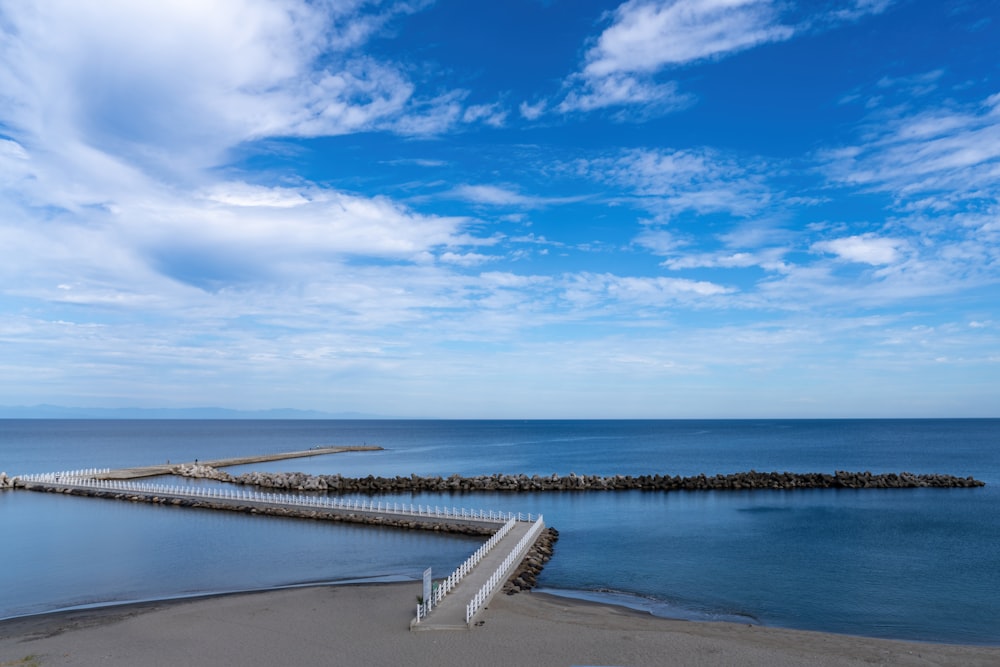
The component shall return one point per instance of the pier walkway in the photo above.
(454, 603)
(459, 608)
(167, 468)
(368, 512)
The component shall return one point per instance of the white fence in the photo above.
(87, 479)
(64, 476)
(444, 587)
(498, 577)
(80, 478)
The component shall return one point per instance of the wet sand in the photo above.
(368, 625)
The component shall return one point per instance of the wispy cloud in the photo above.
(465, 259)
(497, 195)
(909, 258)
(586, 290)
(616, 90)
(946, 157)
(648, 37)
(770, 259)
(490, 114)
(669, 182)
(532, 111)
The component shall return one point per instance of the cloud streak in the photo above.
(933, 159)
(646, 38)
(671, 182)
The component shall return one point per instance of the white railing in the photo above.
(80, 478)
(498, 577)
(445, 586)
(65, 475)
(422, 610)
(88, 479)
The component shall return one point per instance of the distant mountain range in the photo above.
(63, 412)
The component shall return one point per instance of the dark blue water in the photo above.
(913, 564)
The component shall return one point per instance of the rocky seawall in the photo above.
(525, 577)
(573, 482)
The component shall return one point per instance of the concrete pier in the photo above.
(389, 515)
(449, 614)
(463, 594)
(167, 468)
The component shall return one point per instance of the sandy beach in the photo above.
(368, 625)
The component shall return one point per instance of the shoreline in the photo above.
(323, 623)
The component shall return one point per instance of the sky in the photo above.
(520, 209)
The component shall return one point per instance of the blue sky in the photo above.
(526, 209)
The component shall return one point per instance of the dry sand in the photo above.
(368, 625)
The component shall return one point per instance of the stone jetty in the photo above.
(524, 484)
(168, 469)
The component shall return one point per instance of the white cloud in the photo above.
(658, 289)
(14, 164)
(941, 158)
(623, 89)
(144, 78)
(465, 259)
(244, 194)
(491, 194)
(175, 86)
(491, 114)
(140, 260)
(865, 249)
(672, 181)
(770, 259)
(587, 291)
(432, 116)
(870, 270)
(858, 9)
(118, 113)
(159, 245)
(494, 195)
(659, 241)
(504, 279)
(12, 149)
(646, 35)
(324, 222)
(532, 111)
(749, 244)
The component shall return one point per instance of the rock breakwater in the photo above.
(524, 484)
(525, 577)
(201, 472)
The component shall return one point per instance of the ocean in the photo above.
(918, 564)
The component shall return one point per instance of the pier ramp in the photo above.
(457, 607)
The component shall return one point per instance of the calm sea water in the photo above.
(912, 564)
